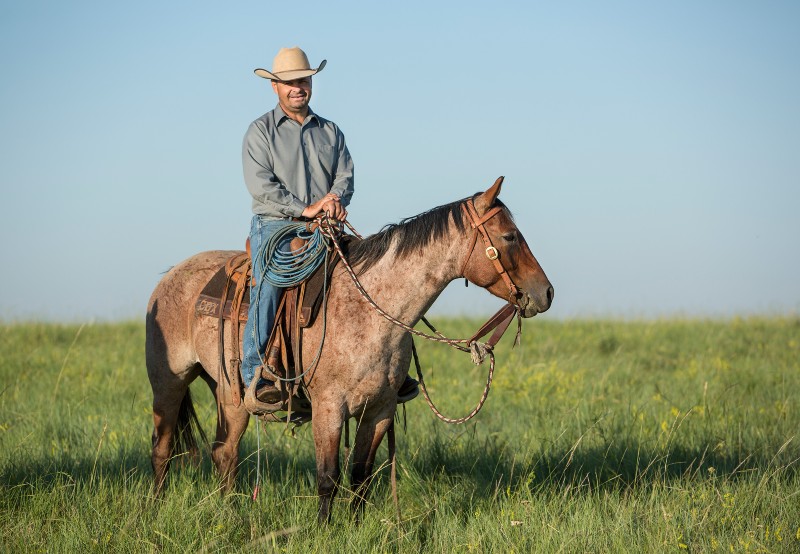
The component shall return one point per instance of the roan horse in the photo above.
(364, 358)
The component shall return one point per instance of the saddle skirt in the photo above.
(237, 271)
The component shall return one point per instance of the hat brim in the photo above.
(289, 75)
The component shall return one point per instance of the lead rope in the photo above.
(478, 350)
(455, 343)
(432, 406)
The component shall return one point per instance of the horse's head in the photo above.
(499, 259)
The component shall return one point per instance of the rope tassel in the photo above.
(478, 351)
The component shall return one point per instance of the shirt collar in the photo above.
(279, 115)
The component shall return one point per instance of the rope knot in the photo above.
(478, 351)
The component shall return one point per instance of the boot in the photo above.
(268, 392)
(408, 390)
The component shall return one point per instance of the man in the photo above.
(296, 165)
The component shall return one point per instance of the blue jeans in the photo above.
(266, 299)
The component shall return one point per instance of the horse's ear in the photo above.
(485, 200)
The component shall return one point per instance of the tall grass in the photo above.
(598, 436)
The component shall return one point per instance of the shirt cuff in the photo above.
(296, 207)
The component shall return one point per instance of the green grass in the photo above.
(598, 436)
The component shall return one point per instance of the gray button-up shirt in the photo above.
(288, 166)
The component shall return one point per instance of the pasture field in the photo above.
(598, 436)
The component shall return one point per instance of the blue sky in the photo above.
(651, 150)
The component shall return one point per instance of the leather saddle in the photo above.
(226, 296)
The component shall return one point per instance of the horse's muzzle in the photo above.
(536, 302)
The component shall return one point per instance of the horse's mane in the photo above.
(412, 234)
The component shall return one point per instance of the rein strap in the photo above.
(499, 322)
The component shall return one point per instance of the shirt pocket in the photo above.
(327, 158)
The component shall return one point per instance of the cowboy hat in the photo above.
(288, 65)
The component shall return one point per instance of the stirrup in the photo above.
(255, 406)
(409, 390)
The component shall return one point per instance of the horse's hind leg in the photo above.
(327, 426)
(172, 418)
(371, 431)
(231, 424)
(164, 420)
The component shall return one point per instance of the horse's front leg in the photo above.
(368, 438)
(327, 427)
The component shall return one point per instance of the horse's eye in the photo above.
(510, 237)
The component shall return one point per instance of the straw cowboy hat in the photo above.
(288, 65)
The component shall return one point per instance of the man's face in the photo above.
(293, 96)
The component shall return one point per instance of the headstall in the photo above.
(477, 222)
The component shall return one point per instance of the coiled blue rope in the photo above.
(287, 269)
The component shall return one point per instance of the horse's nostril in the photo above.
(550, 294)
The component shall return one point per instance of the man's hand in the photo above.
(319, 206)
(335, 210)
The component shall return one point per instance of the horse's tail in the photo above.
(187, 428)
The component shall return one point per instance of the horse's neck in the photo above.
(407, 286)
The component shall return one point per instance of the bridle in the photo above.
(477, 222)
